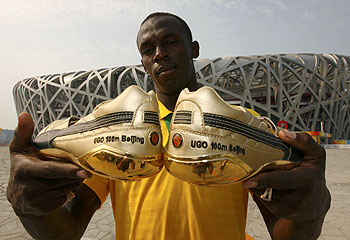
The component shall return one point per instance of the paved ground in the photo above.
(336, 226)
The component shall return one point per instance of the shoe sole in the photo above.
(217, 169)
(107, 162)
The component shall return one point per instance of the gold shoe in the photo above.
(120, 139)
(214, 143)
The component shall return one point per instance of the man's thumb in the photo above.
(22, 138)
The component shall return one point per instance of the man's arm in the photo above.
(300, 198)
(67, 222)
(282, 228)
(38, 187)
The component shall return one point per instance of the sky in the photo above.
(39, 37)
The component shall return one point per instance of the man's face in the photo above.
(167, 54)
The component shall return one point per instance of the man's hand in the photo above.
(300, 198)
(37, 189)
(38, 186)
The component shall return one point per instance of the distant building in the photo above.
(309, 92)
(5, 136)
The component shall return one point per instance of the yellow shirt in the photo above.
(164, 207)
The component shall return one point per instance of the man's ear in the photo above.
(195, 49)
(144, 66)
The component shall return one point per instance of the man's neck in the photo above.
(169, 101)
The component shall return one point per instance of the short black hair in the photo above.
(165, 14)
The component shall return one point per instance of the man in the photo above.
(164, 207)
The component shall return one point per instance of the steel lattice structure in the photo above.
(301, 89)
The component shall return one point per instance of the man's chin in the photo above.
(172, 89)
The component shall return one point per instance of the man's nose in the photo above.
(160, 53)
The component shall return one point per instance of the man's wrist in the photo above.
(302, 229)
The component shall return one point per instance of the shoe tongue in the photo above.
(183, 94)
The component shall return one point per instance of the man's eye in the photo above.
(148, 51)
(172, 41)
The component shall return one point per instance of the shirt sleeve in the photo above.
(99, 185)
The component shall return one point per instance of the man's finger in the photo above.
(22, 139)
(290, 179)
(65, 189)
(303, 142)
(57, 182)
(52, 170)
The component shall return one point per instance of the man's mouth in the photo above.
(161, 70)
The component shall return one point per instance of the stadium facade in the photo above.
(311, 92)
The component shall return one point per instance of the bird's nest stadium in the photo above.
(311, 92)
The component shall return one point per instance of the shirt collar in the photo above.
(163, 111)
